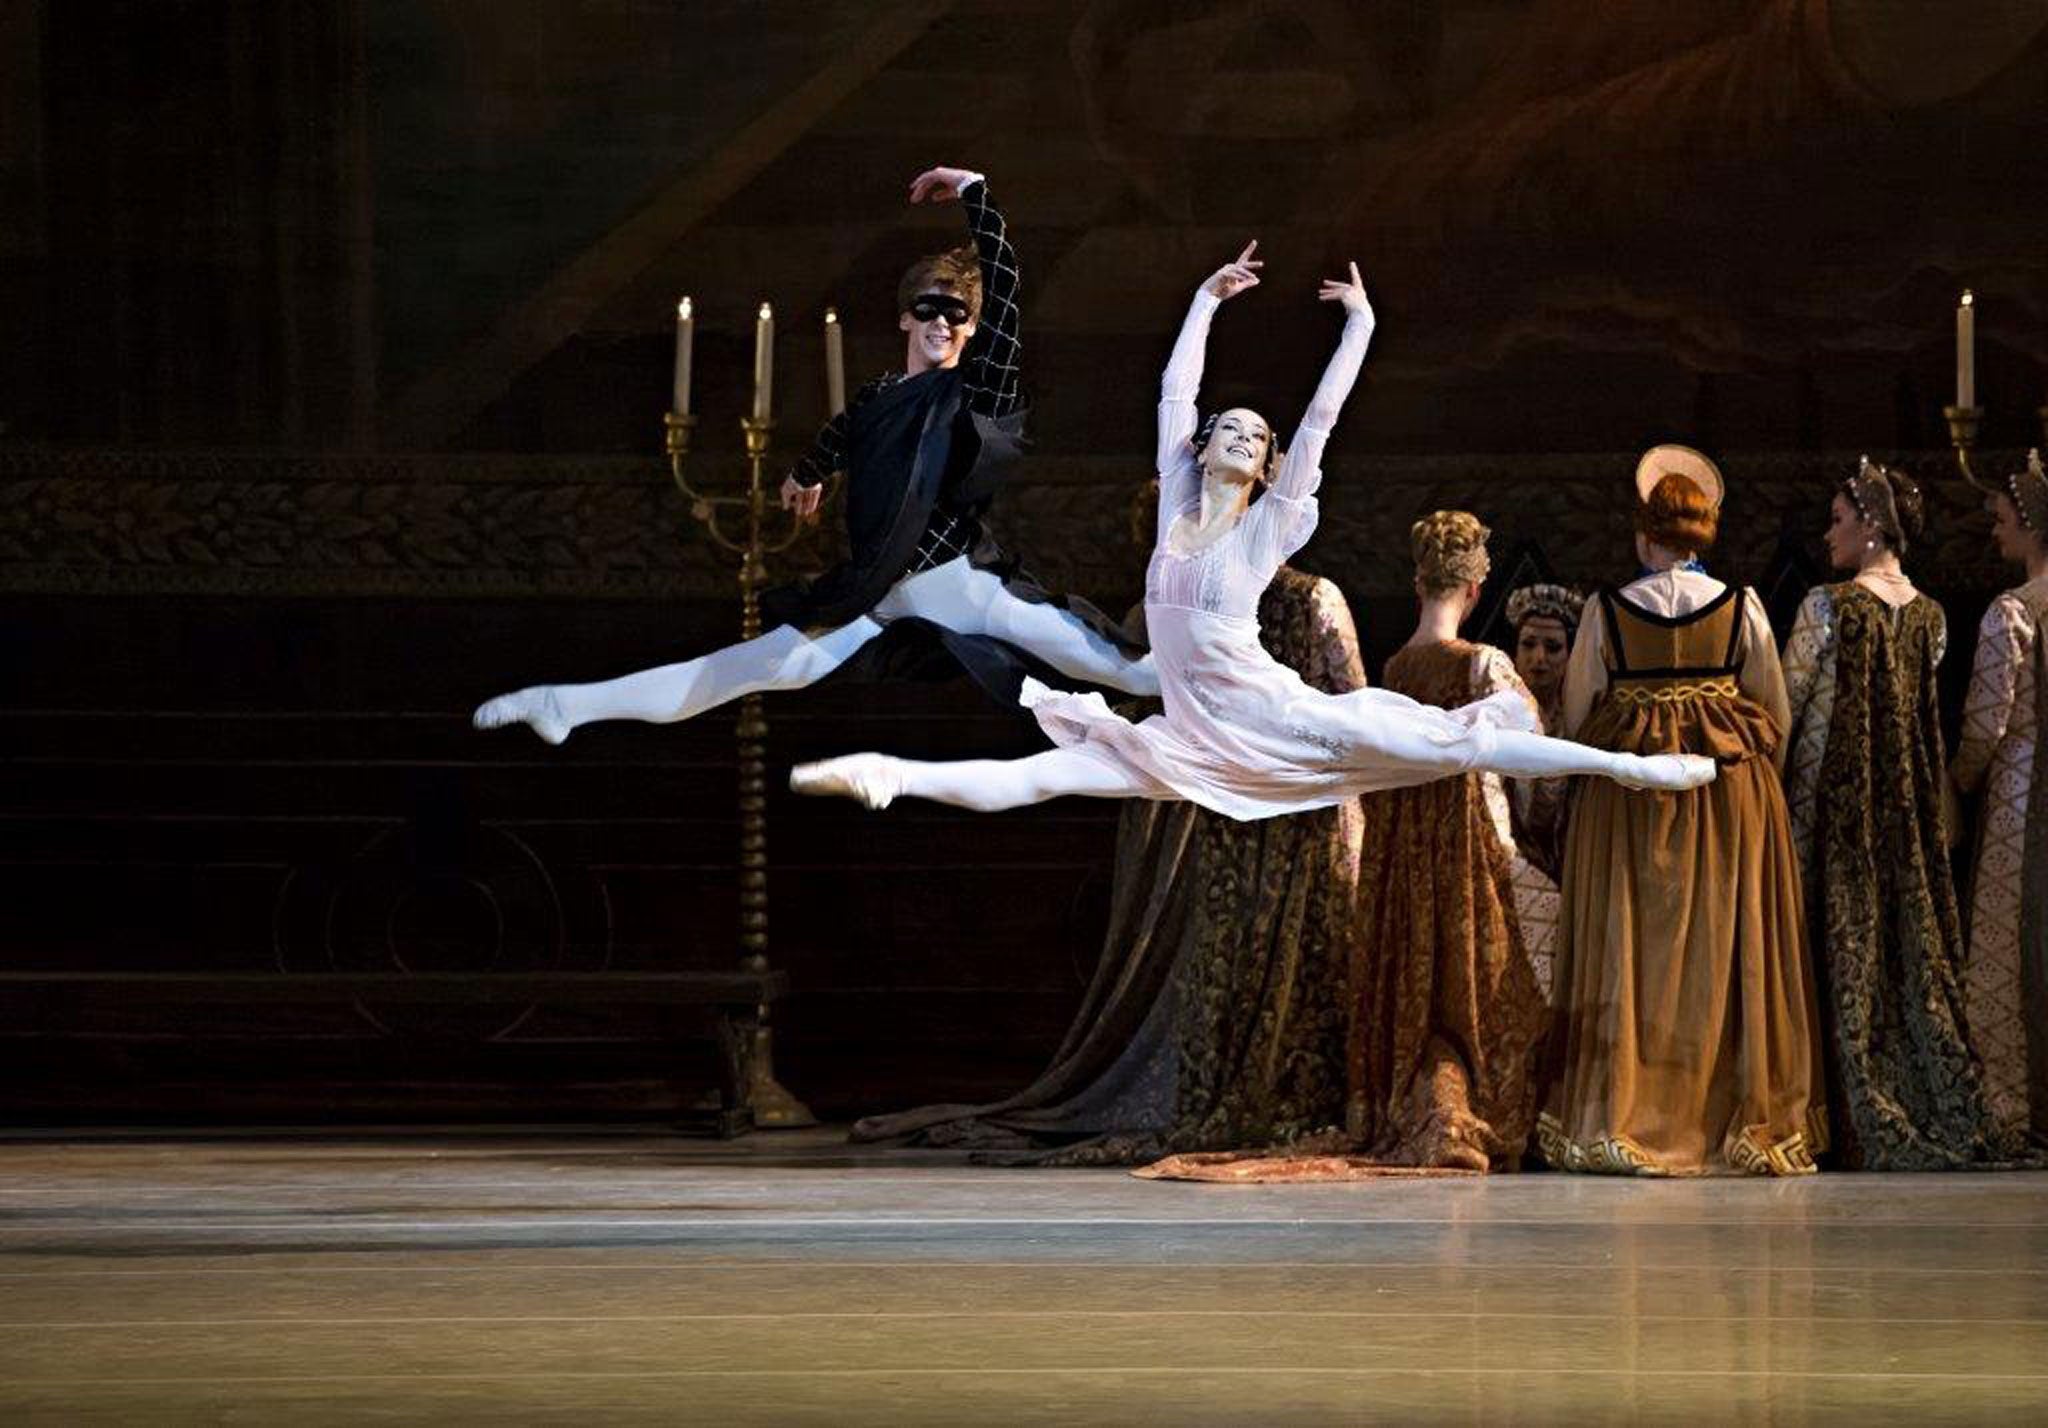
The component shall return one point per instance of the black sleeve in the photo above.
(827, 453)
(994, 355)
(828, 448)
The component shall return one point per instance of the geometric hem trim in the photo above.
(1748, 1152)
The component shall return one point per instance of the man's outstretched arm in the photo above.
(993, 362)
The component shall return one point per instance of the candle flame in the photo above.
(683, 309)
(1969, 298)
(831, 315)
(766, 312)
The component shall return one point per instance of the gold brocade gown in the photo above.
(1688, 1032)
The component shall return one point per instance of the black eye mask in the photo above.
(936, 305)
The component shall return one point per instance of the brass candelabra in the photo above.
(1963, 425)
(750, 540)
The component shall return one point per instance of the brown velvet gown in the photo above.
(1445, 1006)
(1688, 1030)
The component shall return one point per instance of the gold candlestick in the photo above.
(774, 1106)
(1963, 423)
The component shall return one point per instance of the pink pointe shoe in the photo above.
(871, 779)
(1667, 773)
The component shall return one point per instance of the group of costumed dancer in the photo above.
(1644, 895)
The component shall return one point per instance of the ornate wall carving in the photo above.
(141, 523)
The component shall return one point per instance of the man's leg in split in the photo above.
(974, 602)
(784, 658)
(984, 785)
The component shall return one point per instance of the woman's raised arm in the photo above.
(1302, 470)
(1183, 377)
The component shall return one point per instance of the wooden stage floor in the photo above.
(784, 1279)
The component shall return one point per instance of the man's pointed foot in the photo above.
(537, 708)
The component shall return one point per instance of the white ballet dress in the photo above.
(1242, 734)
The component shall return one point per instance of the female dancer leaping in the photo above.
(1242, 734)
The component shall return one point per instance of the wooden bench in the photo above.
(732, 1000)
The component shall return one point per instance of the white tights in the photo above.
(991, 785)
(955, 595)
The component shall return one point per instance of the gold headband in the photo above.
(1553, 602)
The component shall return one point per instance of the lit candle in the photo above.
(1966, 351)
(686, 333)
(764, 361)
(835, 365)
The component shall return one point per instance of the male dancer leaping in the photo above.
(923, 451)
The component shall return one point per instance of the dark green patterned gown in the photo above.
(1905, 1088)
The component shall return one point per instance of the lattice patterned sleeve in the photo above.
(827, 454)
(1994, 680)
(1811, 633)
(994, 357)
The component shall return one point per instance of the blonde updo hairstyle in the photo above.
(1450, 551)
(1679, 516)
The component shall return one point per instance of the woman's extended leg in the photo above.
(985, 785)
(784, 658)
(1514, 753)
(1520, 755)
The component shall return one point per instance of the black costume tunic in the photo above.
(924, 456)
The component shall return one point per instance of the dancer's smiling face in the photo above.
(1237, 447)
(939, 324)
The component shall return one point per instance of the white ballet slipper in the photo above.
(872, 779)
(537, 708)
(1666, 773)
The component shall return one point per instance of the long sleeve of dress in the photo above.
(1493, 670)
(1178, 387)
(1762, 677)
(1301, 470)
(1810, 698)
(1281, 521)
(991, 367)
(1585, 673)
(1812, 632)
(1994, 679)
(1342, 666)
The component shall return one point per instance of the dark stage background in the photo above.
(338, 342)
